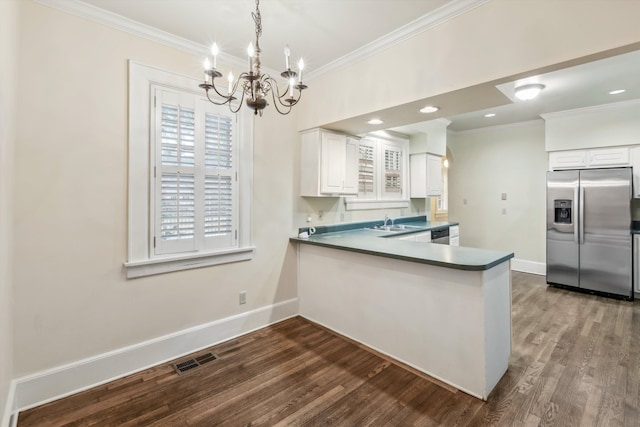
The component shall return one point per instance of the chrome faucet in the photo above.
(386, 218)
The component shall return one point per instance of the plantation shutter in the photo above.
(220, 180)
(366, 174)
(195, 196)
(392, 161)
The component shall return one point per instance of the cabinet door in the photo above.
(567, 159)
(351, 167)
(636, 262)
(434, 175)
(454, 241)
(426, 175)
(333, 153)
(424, 237)
(618, 156)
(418, 175)
(409, 237)
(635, 163)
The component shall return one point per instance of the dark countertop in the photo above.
(635, 227)
(359, 237)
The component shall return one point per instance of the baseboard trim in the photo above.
(10, 414)
(525, 266)
(52, 384)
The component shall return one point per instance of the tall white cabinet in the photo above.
(426, 175)
(328, 164)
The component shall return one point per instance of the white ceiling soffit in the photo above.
(439, 11)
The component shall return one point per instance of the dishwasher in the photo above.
(440, 236)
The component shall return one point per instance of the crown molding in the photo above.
(497, 127)
(420, 25)
(591, 109)
(119, 22)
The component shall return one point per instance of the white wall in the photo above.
(499, 39)
(607, 125)
(486, 163)
(72, 298)
(8, 54)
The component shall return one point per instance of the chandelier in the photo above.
(255, 86)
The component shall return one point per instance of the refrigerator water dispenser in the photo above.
(562, 211)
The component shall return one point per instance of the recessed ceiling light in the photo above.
(375, 122)
(490, 115)
(527, 92)
(617, 91)
(429, 109)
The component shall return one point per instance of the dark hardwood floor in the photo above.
(575, 362)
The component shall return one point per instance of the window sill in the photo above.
(171, 263)
(355, 204)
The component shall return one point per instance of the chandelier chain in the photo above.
(257, 18)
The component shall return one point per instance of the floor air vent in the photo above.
(196, 362)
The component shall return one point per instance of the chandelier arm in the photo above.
(237, 109)
(277, 103)
(226, 97)
(272, 83)
(214, 102)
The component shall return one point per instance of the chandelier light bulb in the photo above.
(214, 52)
(230, 79)
(251, 52)
(300, 67)
(287, 54)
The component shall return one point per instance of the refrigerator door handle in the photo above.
(581, 216)
(573, 214)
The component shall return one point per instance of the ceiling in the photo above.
(327, 31)
(321, 31)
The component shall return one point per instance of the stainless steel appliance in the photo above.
(440, 236)
(589, 242)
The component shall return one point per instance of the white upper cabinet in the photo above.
(591, 158)
(567, 159)
(329, 164)
(426, 175)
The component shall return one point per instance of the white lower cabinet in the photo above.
(424, 236)
(454, 235)
(636, 262)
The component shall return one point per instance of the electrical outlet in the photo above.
(504, 196)
(342, 217)
(243, 297)
(504, 211)
(464, 201)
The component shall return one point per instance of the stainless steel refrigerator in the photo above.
(589, 242)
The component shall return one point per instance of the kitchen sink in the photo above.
(399, 227)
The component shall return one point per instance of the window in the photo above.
(382, 174)
(189, 177)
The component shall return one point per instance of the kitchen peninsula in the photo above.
(441, 309)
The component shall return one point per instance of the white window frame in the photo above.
(141, 260)
(379, 199)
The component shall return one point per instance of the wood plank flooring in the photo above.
(575, 362)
